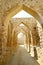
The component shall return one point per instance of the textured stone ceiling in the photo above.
(29, 22)
(6, 5)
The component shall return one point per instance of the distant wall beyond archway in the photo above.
(21, 39)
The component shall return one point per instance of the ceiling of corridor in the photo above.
(29, 22)
(10, 25)
(22, 14)
(7, 5)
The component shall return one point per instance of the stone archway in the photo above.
(13, 11)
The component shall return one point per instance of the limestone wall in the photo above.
(30, 23)
(5, 7)
(40, 31)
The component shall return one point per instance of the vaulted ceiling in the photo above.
(6, 5)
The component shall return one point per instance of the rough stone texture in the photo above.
(32, 26)
(40, 55)
(9, 41)
(5, 6)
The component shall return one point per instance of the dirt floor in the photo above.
(22, 57)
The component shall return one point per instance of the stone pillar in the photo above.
(31, 38)
(14, 42)
(35, 41)
(31, 46)
(27, 43)
(0, 42)
(3, 41)
(9, 38)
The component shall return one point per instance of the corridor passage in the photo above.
(22, 57)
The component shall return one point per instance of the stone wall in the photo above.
(5, 6)
(31, 24)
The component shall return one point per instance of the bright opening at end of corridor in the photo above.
(22, 14)
(21, 32)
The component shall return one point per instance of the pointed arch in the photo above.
(21, 31)
(18, 25)
(13, 11)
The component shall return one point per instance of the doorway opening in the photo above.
(21, 39)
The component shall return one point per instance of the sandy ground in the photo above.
(21, 57)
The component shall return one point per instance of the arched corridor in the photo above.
(25, 32)
(21, 32)
(23, 47)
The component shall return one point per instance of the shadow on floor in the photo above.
(35, 53)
